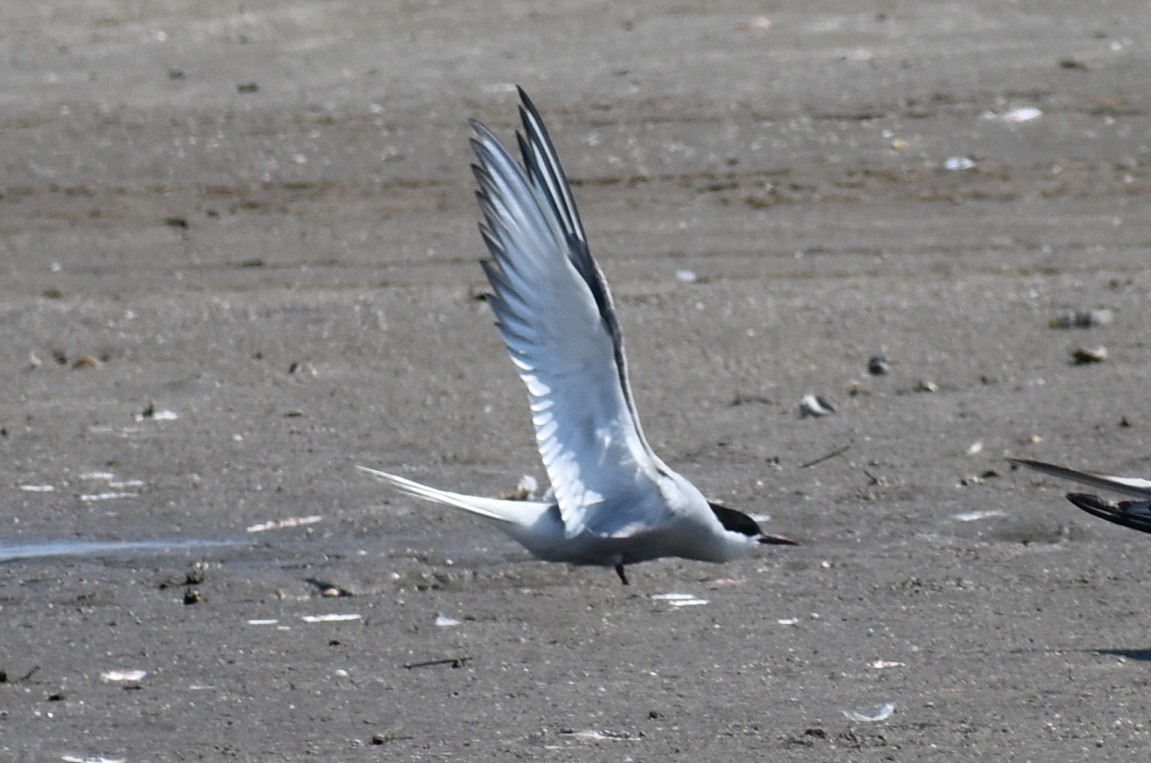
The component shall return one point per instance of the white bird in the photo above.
(1133, 514)
(615, 502)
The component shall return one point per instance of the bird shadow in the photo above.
(1140, 655)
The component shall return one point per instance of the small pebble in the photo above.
(1086, 355)
(878, 366)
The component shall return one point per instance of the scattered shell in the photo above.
(686, 276)
(884, 664)
(788, 621)
(679, 599)
(279, 524)
(525, 491)
(271, 621)
(151, 413)
(926, 385)
(974, 448)
(594, 734)
(1014, 116)
(123, 675)
(814, 405)
(37, 488)
(333, 618)
(882, 714)
(878, 366)
(86, 361)
(958, 163)
(1085, 355)
(107, 496)
(972, 516)
(1081, 319)
(444, 621)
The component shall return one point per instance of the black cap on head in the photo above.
(736, 521)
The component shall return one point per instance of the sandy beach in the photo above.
(238, 257)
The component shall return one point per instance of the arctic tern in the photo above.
(1133, 514)
(613, 501)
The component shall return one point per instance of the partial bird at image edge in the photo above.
(1135, 515)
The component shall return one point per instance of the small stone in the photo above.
(1087, 355)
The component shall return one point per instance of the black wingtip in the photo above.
(1130, 514)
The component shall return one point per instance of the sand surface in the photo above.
(238, 257)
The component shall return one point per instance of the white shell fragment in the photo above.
(333, 618)
(110, 495)
(527, 490)
(123, 675)
(279, 524)
(602, 735)
(885, 664)
(157, 415)
(882, 714)
(956, 163)
(680, 599)
(1014, 116)
(814, 405)
(444, 621)
(37, 488)
(973, 516)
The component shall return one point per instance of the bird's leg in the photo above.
(619, 571)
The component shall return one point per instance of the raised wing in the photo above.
(557, 319)
(1129, 485)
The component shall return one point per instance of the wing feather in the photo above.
(1135, 486)
(556, 316)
